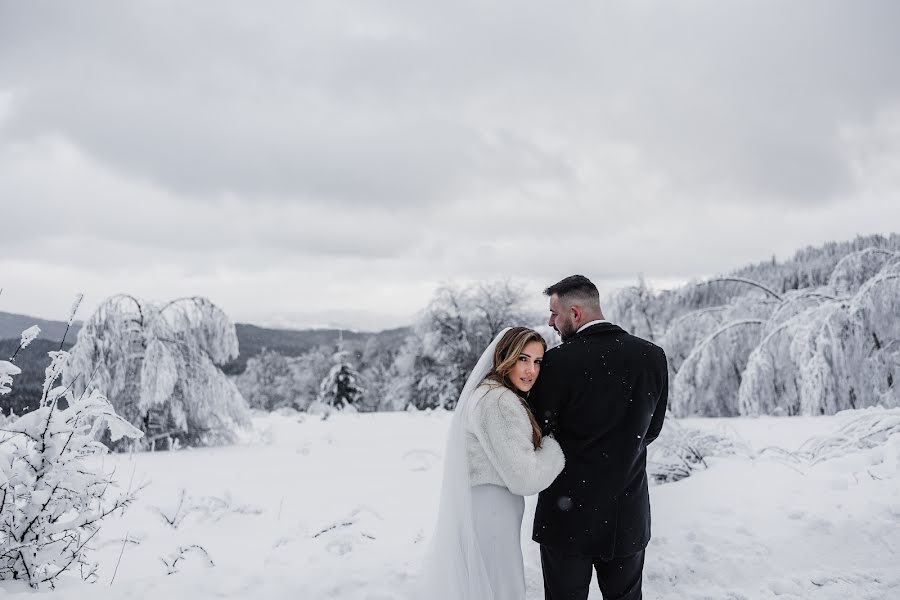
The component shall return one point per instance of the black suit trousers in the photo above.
(568, 577)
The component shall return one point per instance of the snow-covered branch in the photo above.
(744, 281)
(52, 496)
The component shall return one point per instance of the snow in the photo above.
(74, 310)
(7, 370)
(28, 335)
(341, 508)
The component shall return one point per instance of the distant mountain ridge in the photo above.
(290, 342)
(12, 325)
(251, 338)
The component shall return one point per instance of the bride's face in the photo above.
(527, 368)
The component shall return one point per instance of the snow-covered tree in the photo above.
(836, 355)
(341, 388)
(448, 338)
(874, 310)
(53, 495)
(271, 380)
(160, 367)
(821, 338)
(375, 366)
(854, 269)
(398, 388)
(633, 308)
(809, 269)
(267, 382)
(709, 378)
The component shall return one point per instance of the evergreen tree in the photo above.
(341, 388)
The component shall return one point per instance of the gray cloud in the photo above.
(345, 104)
(403, 144)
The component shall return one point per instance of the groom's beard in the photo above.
(566, 331)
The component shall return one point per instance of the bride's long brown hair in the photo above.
(507, 352)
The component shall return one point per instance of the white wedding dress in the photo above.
(489, 465)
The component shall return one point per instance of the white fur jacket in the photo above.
(499, 446)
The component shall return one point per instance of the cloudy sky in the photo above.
(332, 162)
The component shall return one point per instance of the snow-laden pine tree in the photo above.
(341, 388)
(159, 365)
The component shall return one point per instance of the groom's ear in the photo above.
(576, 312)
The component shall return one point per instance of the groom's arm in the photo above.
(547, 393)
(659, 412)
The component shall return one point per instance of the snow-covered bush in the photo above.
(160, 367)
(53, 496)
(681, 450)
(870, 429)
(7, 370)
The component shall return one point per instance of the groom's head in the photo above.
(574, 301)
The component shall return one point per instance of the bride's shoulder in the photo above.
(492, 393)
(491, 388)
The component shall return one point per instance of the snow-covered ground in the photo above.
(342, 508)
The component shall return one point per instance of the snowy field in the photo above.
(342, 508)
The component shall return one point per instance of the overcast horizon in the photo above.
(331, 163)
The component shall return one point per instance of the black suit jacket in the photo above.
(602, 394)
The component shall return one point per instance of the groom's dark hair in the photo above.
(575, 287)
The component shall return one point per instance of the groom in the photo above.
(602, 394)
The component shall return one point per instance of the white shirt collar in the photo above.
(589, 323)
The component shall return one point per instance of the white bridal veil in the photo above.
(453, 568)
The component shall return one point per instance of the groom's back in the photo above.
(603, 395)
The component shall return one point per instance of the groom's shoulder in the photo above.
(554, 352)
(614, 336)
(646, 348)
(639, 341)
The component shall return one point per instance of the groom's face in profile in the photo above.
(561, 318)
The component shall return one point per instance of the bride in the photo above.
(495, 455)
